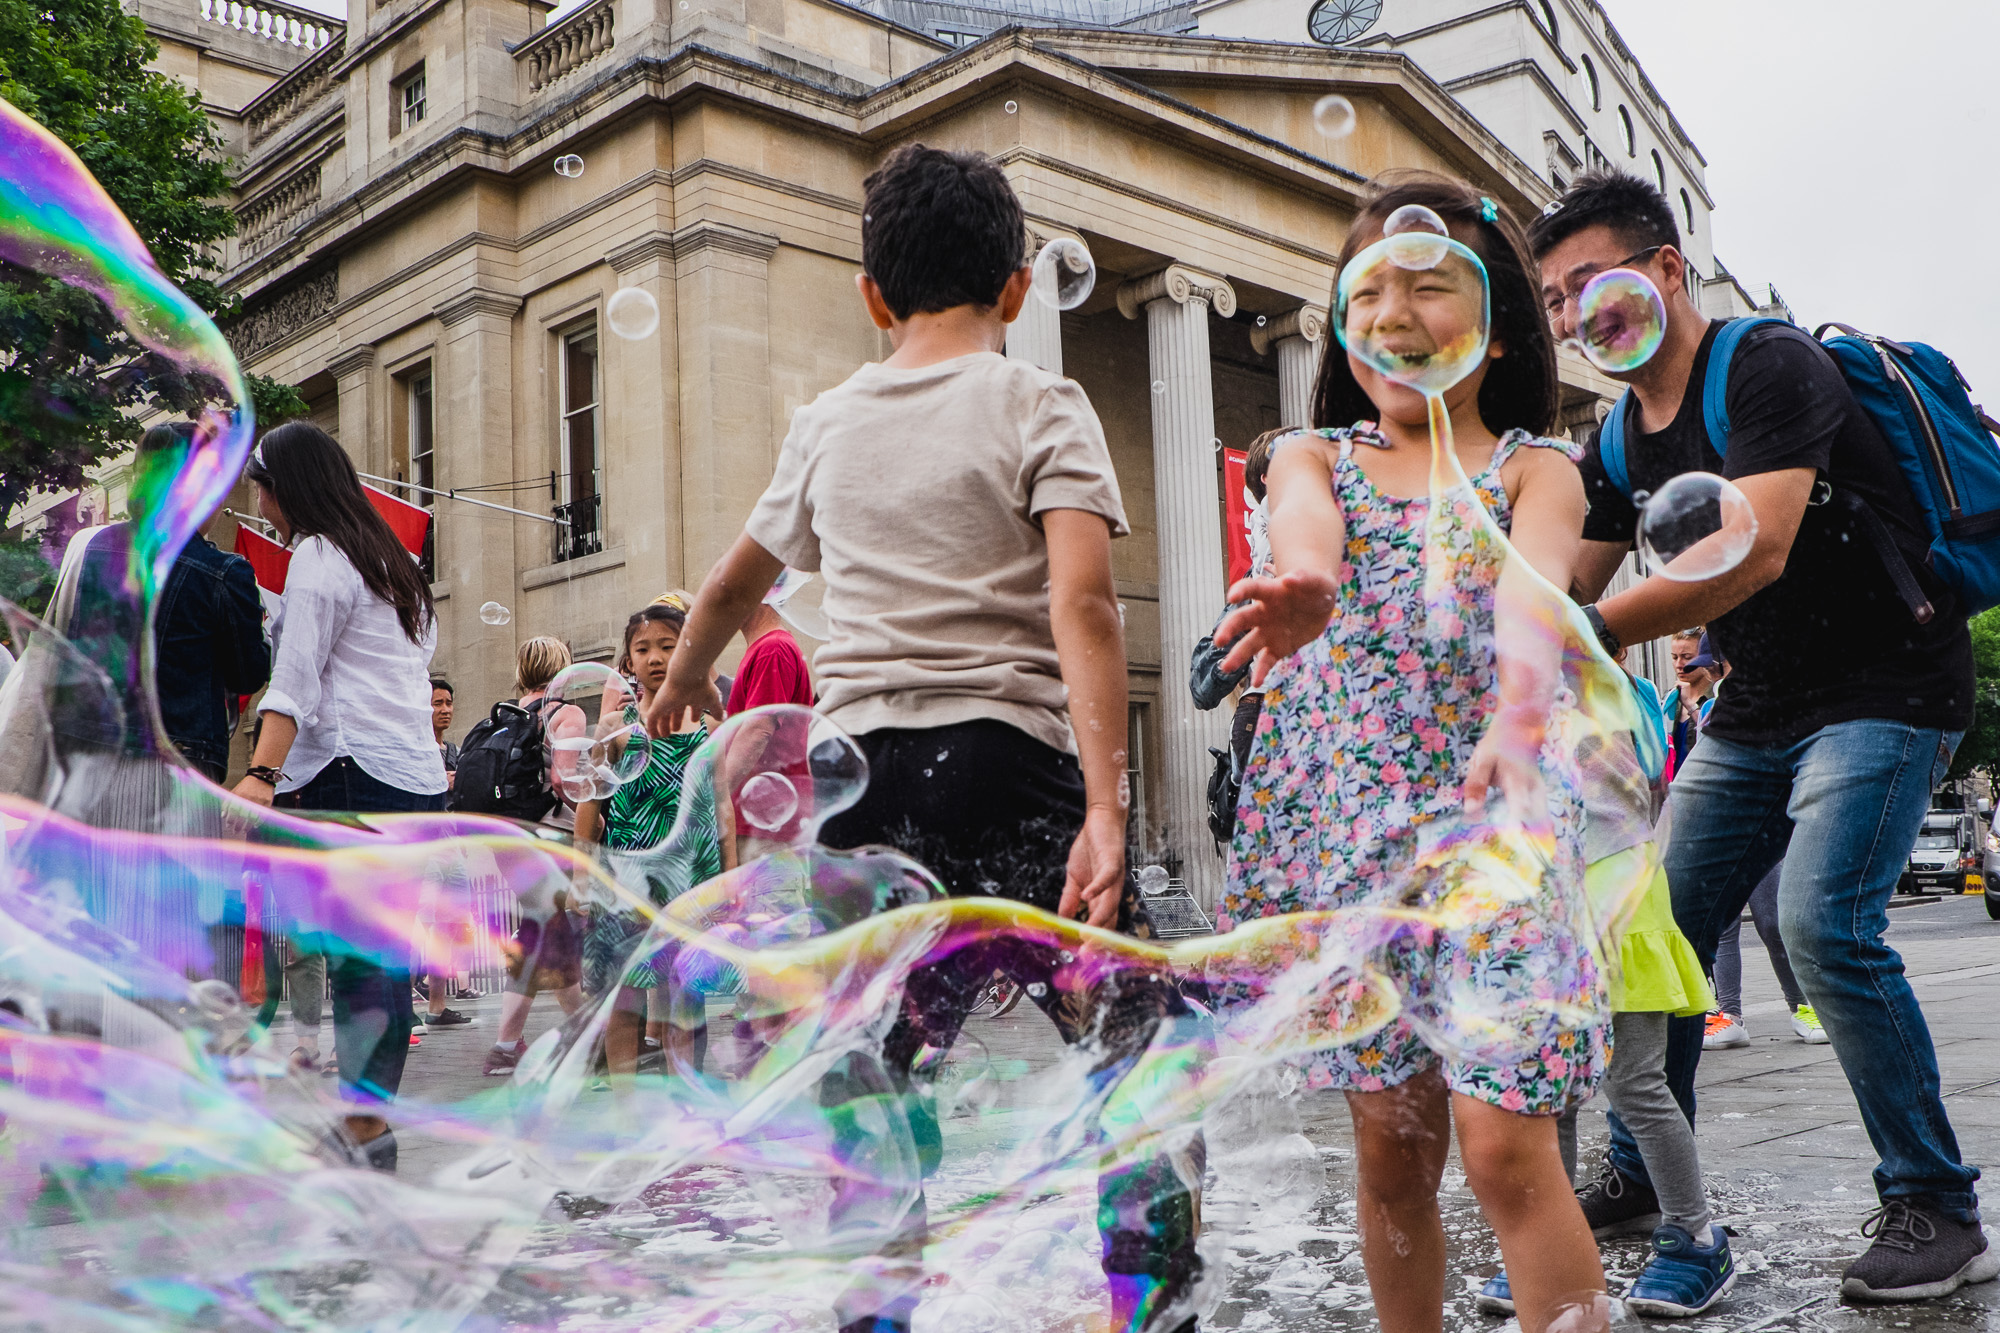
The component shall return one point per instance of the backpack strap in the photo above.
(1715, 385)
(1611, 445)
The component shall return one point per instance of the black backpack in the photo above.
(503, 767)
(1225, 785)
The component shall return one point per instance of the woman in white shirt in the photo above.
(346, 723)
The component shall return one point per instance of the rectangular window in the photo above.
(408, 99)
(423, 461)
(1136, 717)
(580, 489)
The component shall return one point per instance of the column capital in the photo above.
(1308, 322)
(350, 361)
(469, 305)
(1180, 284)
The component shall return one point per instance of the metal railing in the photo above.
(579, 528)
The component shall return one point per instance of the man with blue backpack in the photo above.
(1870, 475)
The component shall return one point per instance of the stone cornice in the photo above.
(689, 240)
(350, 360)
(1180, 284)
(475, 303)
(1308, 322)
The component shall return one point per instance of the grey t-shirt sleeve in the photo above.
(782, 522)
(1070, 463)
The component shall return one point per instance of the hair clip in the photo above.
(1488, 210)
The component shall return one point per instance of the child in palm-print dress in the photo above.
(1386, 725)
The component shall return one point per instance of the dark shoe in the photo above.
(378, 1154)
(1919, 1253)
(1683, 1278)
(500, 1061)
(447, 1018)
(1496, 1297)
(1616, 1205)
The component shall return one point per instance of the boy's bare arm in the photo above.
(1090, 644)
(728, 595)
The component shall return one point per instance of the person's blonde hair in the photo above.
(538, 662)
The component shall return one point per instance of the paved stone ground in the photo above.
(1782, 1145)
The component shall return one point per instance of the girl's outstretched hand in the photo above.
(1508, 757)
(1284, 615)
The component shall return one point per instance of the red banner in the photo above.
(268, 560)
(1238, 509)
(409, 522)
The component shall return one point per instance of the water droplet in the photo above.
(1261, 321)
(632, 313)
(495, 614)
(1333, 116)
(570, 165)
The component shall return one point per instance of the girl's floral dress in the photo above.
(1355, 774)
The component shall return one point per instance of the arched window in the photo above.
(1659, 171)
(1549, 18)
(1687, 211)
(1590, 77)
(1625, 128)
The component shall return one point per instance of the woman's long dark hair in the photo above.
(315, 484)
(1520, 388)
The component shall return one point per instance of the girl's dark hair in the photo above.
(314, 483)
(658, 613)
(1520, 388)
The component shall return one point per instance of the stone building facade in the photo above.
(413, 258)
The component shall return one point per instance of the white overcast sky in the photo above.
(1853, 154)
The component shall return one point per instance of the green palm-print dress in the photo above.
(638, 817)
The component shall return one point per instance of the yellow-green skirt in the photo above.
(1656, 970)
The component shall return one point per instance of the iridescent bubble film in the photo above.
(1696, 527)
(737, 1087)
(1064, 274)
(1621, 320)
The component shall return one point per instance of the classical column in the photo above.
(1036, 335)
(474, 436)
(729, 442)
(642, 437)
(1296, 336)
(1176, 301)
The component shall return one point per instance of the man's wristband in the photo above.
(1610, 641)
(265, 773)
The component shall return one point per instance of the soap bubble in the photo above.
(493, 613)
(1620, 320)
(1153, 879)
(768, 801)
(1333, 116)
(1064, 273)
(1159, 387)
(570, 165)
(593, 756)
(1012, 107)
(1416, 237)
(1423, 325)
(632, 313)
(1415, 218)
(1698, 526)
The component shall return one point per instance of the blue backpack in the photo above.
(1941, 441)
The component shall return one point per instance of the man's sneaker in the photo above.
(1919, 1253)
(1724, 1030)
(1496, 1297)
(447, 1018)
(1806, 1023)
(1682, 1278)
(1616, 1205)
(500, 1061)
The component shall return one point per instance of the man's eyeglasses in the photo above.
(1555, 304)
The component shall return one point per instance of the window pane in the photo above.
(580, 413)
(421, 437)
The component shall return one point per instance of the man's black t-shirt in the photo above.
(1829, 641)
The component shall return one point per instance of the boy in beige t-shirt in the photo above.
(961, 506)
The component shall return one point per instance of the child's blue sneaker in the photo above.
(1496, 1297)
(1683, 1278)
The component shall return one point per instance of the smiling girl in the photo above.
(1377, 723)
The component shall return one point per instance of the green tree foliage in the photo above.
(71, 379)
(1980, 750)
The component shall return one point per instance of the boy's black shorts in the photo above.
(984, 806)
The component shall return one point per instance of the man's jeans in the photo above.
(1842, 808)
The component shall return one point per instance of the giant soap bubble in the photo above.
(1696, 527)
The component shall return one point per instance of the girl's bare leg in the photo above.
(1514, 1166)
(1401, 1139)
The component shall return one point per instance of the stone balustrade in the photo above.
(278, 105)
(562, 48)
(263, 220)
(279, 24)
